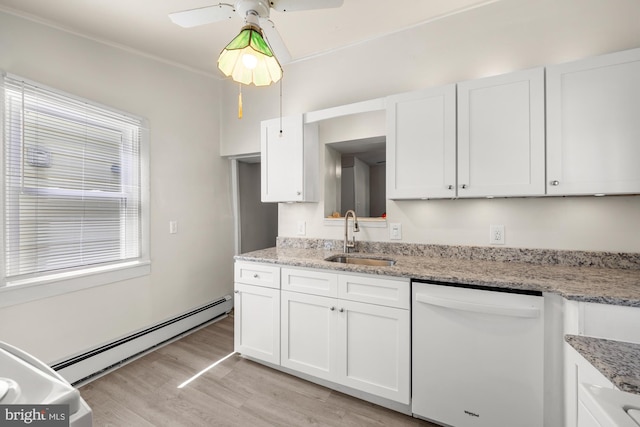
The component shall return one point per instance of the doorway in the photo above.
(256, 222)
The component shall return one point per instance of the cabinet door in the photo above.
(257, 322)
(501, 135)
(375, 349)
(308, 325)
(421, 144)
(585, 417)
(290, 166)
(593, 130)
(578, 371)
(282, 160)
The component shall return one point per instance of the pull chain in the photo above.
(239, 100)
(280, 106)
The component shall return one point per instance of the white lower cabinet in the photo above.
(618, 323)
(356, 344)
(350, 330)
(257, 311)
(257, 322)
(374, 348)
(579, 372)
(308, 331)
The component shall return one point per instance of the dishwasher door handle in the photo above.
(500, 310)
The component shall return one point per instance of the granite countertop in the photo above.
(617, 360)
(604, 285)
(598, 277)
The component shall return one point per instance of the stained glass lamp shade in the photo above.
(248, 59)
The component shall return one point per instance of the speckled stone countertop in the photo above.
(582, 276)
(600, 277)
(618, 361)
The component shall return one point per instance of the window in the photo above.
(73, 183)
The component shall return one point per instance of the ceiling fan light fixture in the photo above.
(248, 59)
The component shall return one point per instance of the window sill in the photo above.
(366, 222)
(26, 290)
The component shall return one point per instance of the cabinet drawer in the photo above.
(375, 290)
(257, 274)
(310, 282)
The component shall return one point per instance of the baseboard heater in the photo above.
(83, 367)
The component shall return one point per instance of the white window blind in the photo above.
(72, 184)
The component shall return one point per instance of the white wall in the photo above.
(505, 36)
(190, 183)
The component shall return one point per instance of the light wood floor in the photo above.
(237, 392)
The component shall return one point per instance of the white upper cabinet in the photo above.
(421, 144)
(290, 164)
(593, 125)
(501, 135)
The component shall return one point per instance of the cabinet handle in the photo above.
(236, 292)
(450, 187)
(256, 276)
(463, 186)
(555, 183)
(342, 310)
(298, 193)
(332, 308)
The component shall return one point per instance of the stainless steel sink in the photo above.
(346, 259)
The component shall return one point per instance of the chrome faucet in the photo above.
(348, 245)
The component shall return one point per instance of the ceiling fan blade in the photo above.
(294, 5)
(275, 41)
(203, 15)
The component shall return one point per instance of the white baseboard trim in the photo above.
(95, 362)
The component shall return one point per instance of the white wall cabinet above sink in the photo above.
(290, 160)
(593, 125)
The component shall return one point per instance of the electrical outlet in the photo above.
(395, 231)
(302, 228)
(496, 234)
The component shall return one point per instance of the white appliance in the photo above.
(606, 407)
(477, 355)
(26, 380)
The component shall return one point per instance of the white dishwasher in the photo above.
(477, 355)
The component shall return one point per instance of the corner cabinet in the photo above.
(289, 160)
(501, 135)
(604, 321)
(421, 144)
(593, 126)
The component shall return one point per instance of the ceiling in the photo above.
(143, 25)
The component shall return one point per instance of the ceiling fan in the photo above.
(254, 12)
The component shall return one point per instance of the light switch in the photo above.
(173, 227)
